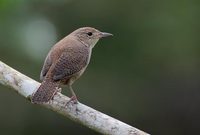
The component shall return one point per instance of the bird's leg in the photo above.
(58, 90)
(73, 97)
(57, 93)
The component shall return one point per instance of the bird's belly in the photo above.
(75, 76)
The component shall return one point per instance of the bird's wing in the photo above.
(71, 61)
(46, 66)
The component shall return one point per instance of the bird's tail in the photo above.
(45, 92)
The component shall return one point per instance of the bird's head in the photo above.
(89, 36)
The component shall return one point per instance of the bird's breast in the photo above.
(89, 56)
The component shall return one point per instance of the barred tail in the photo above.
(45, 92)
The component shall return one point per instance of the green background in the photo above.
(147, 75)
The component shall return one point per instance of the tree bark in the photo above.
(81, 113)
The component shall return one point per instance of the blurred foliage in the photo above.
(147, 75)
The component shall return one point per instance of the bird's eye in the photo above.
(89, 33)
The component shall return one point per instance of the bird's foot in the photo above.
(58, 90)
(73, 100)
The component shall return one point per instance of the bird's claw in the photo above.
(73, 100)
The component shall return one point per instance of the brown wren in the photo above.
(66, 62)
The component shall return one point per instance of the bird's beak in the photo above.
(105, 34)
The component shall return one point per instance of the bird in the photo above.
(66, 62)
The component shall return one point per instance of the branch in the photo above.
(81, 113)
